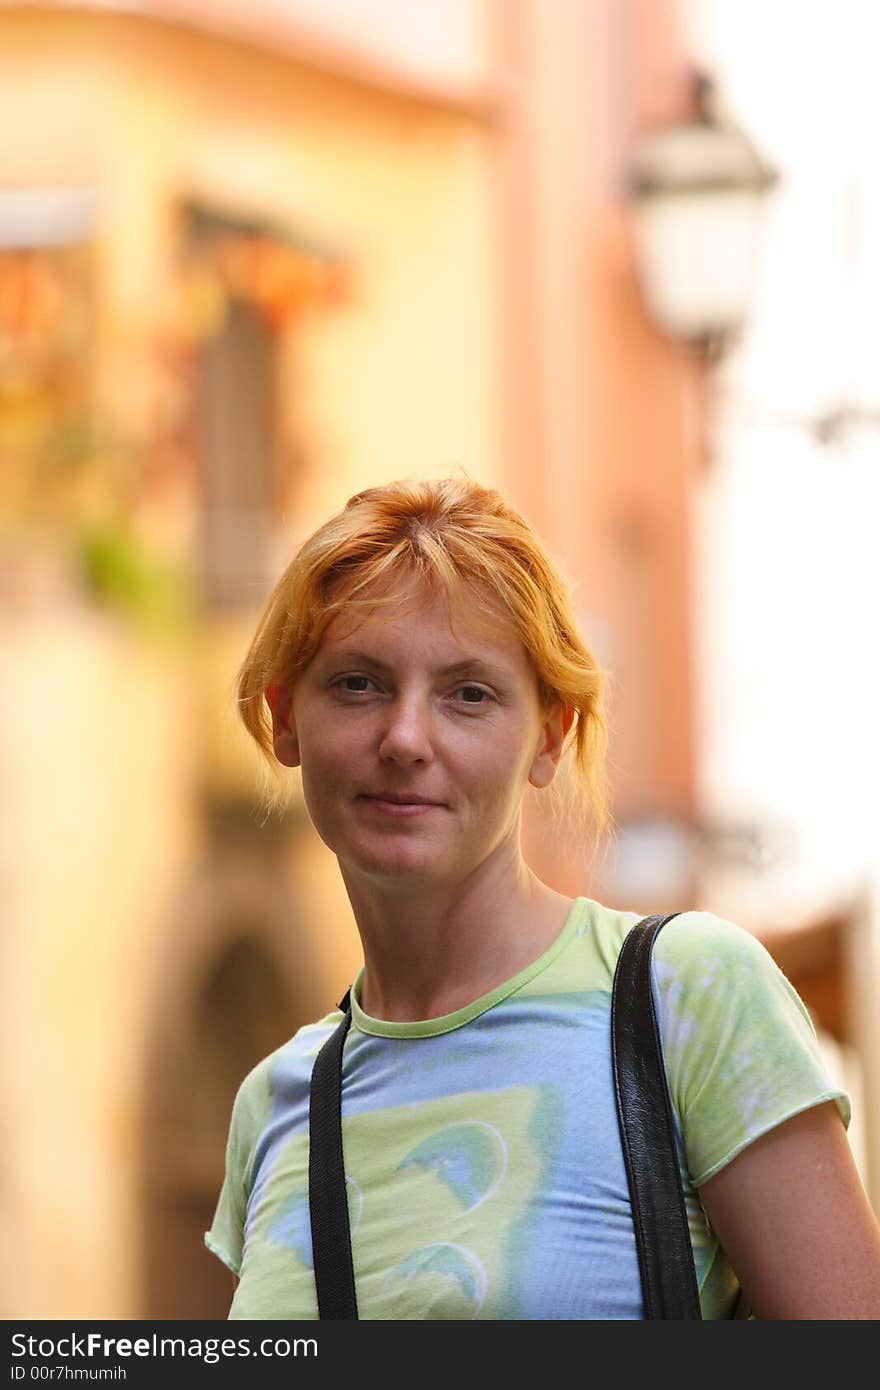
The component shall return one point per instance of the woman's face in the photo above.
(401, 705)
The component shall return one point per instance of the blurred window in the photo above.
(236, 428)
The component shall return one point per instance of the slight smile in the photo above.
(406, 809)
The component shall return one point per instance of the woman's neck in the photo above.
(431, 953)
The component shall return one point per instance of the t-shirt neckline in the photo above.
(446, 1023)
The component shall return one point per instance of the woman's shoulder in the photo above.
(696, 952)
(690, 939)
(700, 950)
(296, 1055)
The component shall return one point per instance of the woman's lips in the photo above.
(406, 810)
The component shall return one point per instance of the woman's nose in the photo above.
(407, 735)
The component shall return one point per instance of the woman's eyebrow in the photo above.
(468, 663)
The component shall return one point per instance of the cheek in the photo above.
(497, 778)
(333, 758)
(324, 741)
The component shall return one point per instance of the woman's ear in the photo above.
(554, 731)
(284, 740)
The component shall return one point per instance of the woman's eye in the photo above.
(344, 679)
(468, 694)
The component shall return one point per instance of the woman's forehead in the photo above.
(469, 614)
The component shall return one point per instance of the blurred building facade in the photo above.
(252, 261)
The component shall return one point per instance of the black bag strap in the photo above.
(328, 1201)
(644, 1110)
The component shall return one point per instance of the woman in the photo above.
(422, 667)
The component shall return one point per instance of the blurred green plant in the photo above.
(137, 581)
(78, 488)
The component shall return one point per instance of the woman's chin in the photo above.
(393, 862)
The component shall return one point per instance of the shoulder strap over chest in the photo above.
(328, 1200)
(647, 1133)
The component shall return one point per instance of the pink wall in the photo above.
(600, 415)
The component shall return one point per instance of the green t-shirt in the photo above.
(482, 1151)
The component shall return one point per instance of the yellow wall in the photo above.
(397, 383)
(98, 778)
(101, 749)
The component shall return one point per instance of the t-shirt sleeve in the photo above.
(250, 1109)
(739, 1045)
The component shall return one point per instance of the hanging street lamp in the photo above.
(697, 190)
